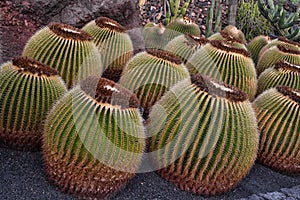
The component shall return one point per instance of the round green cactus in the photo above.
(230, 38)
(231, 65)
(184, 46)
(27, 91)
(277, 53)
(150, 74)
(95, 135)
(181, 26)
(114, 44)
(204, 136)
(278, 111)
(154, 36)
(256, 44)
(283, 73)
(235, 32)
(69, 50)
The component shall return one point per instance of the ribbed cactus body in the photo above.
(114, 44)
(67, 49)
(277, 53)
(278, 111)
(283, 73)
(182, 26)
(226, 63)
(95, 135)
(154, 36)
(184, 46)
(256, 44)
(27, 91)
(150, 74)
(232, 39)
(204, 136)
(235, 32)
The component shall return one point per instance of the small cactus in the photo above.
(256, 44)
(278, 111)
(231, 65)
(184, 46)
(204, 136)
(150, 74)
(174, 12)
(69, 50)
(277, 53)
(283, 73)
(214, 9)
(114, 44)
(27, 91)
(95, 135)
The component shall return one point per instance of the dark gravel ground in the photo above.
(22, 177)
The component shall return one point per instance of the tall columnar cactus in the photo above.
(114, 44)
(174, 10)
(204, 136)
(277, 53)
(283, 73)
(184, 46)
(150, 74)
(256, 45)
(214, 14)
(231, 65)
(27, 91)
(277, 15)
(69, 50)
(278, 111)
(94, 139)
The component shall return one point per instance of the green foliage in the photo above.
(175, 11)
(250, 21)
(283, 21)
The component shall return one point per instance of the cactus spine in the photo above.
(283, 73)
(95, 135)
(27, 91)
(69, 50)
(256, 44)
(278, 111)
(114, 44)
(204, 136)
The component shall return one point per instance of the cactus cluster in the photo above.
(256, 45)
(204, 136)
(95, 135)
(27, 91)
(174, 10)
(69, 50)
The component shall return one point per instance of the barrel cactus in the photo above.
(114, 44)
(69, 50)
(204, 136)
(150, 74)
(256, 44)
(181, 26)
(184, 46)
(154, 36)
(95, 135)
(283, 73)
(277, 53)
(278, 111)
(231, 65)
(27, 91)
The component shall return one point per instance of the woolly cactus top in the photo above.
(69, 32)
(219, 89)
(230, 37)
(283, 39)
(195, 39)
(286, 65)
(104, 22)
(285, 49)
(186, 20)
(292, 93)
(108, 92)
(33, 67)
(165, 55)
(223, 45)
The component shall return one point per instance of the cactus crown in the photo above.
(193, 38)
(286, 65)
(286, 49)
(106, 91)
(104, 22)
(69, 32)
(230, 37)
(217, 88)
(26, 64)
(225, 46)
(292, 93)
(284, 39)
(165, 55)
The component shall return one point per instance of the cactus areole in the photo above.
(69, 32)
(165, 55)
(286, 65)
(290, 92)
(229, 48)
(104, 22)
